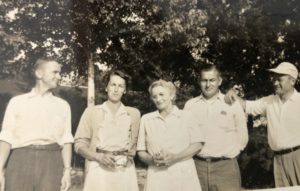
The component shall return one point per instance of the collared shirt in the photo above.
(99, 128)
(114, 131)
(283, 119)
(174, 133)
(36, 119)
(224, 126)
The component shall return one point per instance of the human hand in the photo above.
(157, 158)
(106, 160)
(66, 180)
(164, 159)
(2, 180)
(230, 96)
(130, 161)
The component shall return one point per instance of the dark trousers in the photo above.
(222, 175)
(34, 169)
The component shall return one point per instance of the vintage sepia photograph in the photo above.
(149, 95)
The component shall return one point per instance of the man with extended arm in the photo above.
(282, 110)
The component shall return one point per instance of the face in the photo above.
(115, 89)
(161, 97)
(282, 83)
(49, 74)
(209, 83)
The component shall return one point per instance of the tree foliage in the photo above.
(249, 36)
(154, 39)
(149, 39)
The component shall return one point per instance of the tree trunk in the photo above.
(91, 83)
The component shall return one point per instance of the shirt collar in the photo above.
(33, 93)
(294, 96)
(121, 110)
(174, 112)
(219, 96)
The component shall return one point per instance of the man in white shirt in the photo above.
(35, 141)
(225, 132)
(283, 118)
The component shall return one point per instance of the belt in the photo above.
(211, 159)
(124, 152)
(53, 146)
(286, 151)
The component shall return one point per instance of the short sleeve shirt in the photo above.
(224, 126)
(173, 133)
(283, 119)
(36, 119)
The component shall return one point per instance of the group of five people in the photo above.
(191, 149)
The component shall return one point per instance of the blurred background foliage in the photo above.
(153, 39)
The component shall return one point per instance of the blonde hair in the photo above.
(166, 84)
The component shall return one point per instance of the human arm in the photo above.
(142, 150)
(196, 142)
(7, 137)
(67, 157)
(106, 160)
(169, 159)
(84, 135)
(134, 130)
(4, 153)
(240, 122)
(231, 97)
(66, 152)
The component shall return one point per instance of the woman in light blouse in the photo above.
(168, 139)
(107, 136)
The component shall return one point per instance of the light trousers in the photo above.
(287, 169)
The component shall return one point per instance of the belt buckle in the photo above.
(114, 152)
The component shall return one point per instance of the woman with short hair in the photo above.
(168, 139)
(107, 136)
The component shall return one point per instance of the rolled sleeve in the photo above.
(67, 135)
(83, 133)
(7, 136)
(9, 123)
(67, 138)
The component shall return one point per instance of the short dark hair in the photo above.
(121, 74)
(208, 67)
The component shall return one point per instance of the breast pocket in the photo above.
(226, 122)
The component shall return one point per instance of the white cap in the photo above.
(286, 68)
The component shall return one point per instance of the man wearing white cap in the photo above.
(282, 111)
